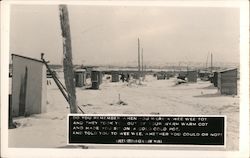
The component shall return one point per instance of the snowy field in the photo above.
(49, 129)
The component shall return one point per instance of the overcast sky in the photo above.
(108, 34)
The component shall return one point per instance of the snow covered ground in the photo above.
(153, 97)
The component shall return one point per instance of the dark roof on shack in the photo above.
(27, 58)
(227, 70)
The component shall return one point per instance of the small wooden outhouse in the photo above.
(227, 81)
(28, 86)
(192, 76)
(96, 79)
(80, 77)
(115, 76)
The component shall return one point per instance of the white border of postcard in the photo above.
(53, 152)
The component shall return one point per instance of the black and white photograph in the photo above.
(130, 60)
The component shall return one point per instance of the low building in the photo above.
(227, 81)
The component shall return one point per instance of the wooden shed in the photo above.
(115, 76)
(227, 81)
(28, 86)
(96, 79)
(80, 77)
(192, 76)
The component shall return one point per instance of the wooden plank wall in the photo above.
(28, 87)
(227, 82)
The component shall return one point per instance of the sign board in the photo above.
(146, 129)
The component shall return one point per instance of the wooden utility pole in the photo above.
(179, 67)
(67, 58)
(211, 62)
(142, 68)
(139, 63)
(207, 61)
